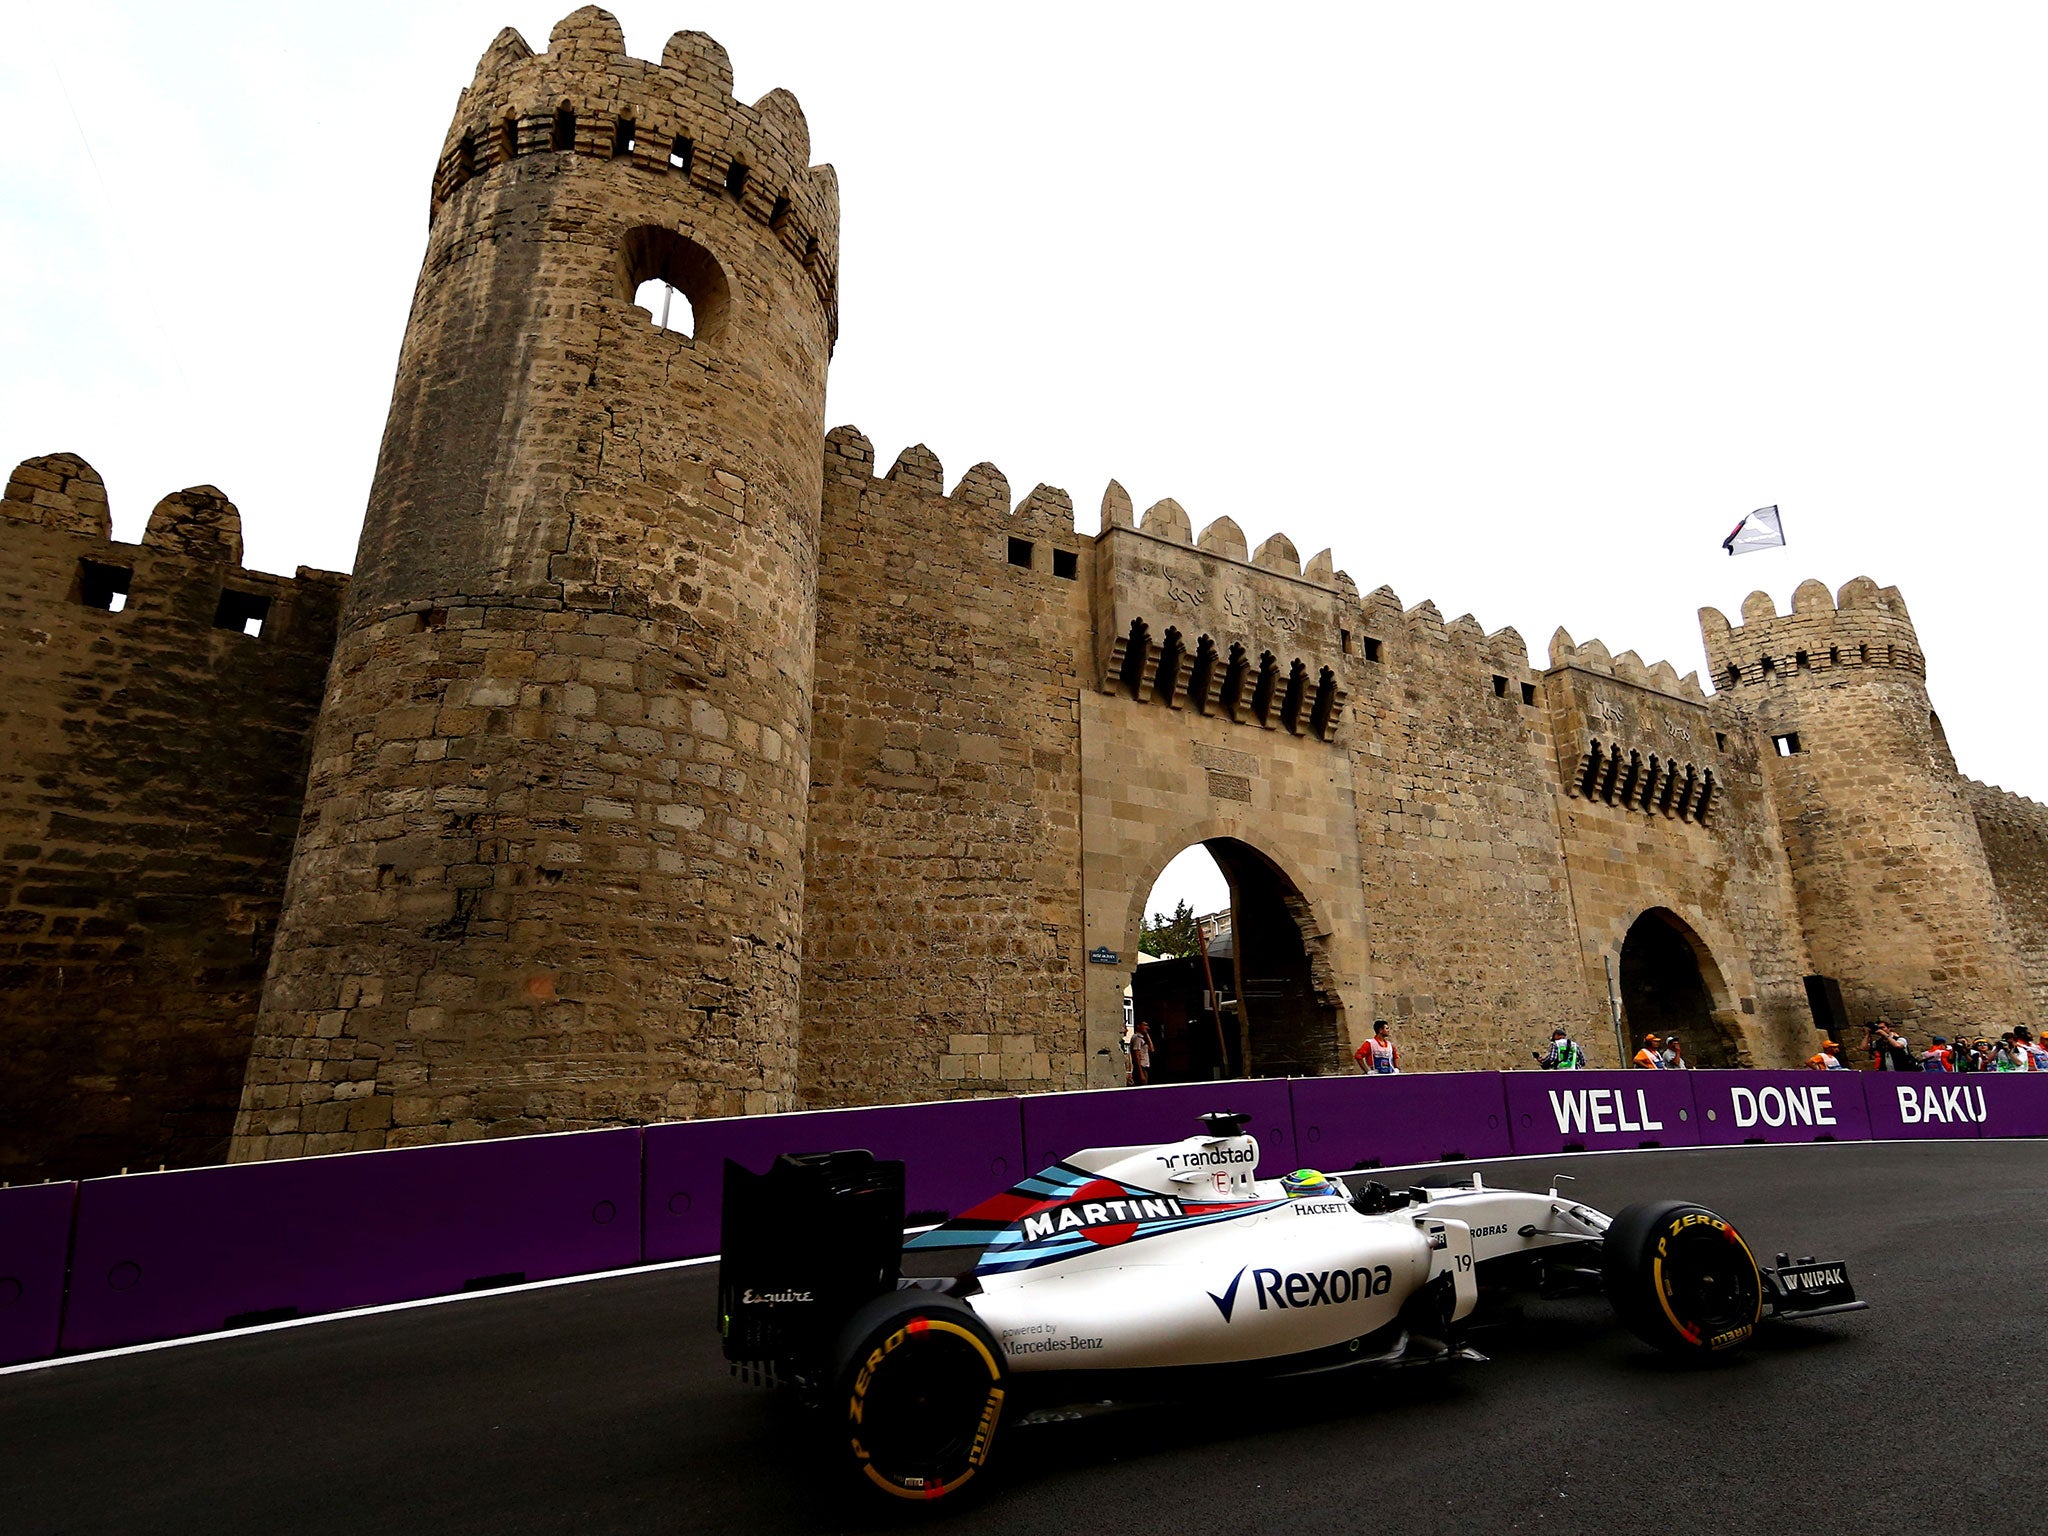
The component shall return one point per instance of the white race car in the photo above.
(1117, 1272)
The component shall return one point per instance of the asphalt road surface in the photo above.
(604, 1407)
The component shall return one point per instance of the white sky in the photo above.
(1517, 307)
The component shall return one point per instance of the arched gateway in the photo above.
(1260, 999)
(1670, 985)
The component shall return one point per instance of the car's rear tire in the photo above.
(1682, 1278)
(918, 1396)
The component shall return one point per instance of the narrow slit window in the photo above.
(1166, 681)
(1202, 679)
(104, 586)
(1263, 689)
(1699, 812)
(1528, 693)
(623, 137)
(1066, 564)
(779, 212)
(1297, 695)
(1500, 686)
(243, 612)
(1372, 649)
(1834, 655)
(1787, 744)
(1344, 641)
(1137, 651)
(1734, 676)
(1325, 705)
(679, 154)
(1020, 553)
(1769, 666)
(736, 179)
(1720, 741)
(508, 139)
(565, 128)
(1804, 662)
(465, 159)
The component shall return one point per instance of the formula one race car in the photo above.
(1122, 1270)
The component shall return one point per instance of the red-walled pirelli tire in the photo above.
(1682, 1278)
(919, 1396)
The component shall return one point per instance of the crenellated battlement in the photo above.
(67, 569)
(676, 122)
(1864, 625)
(1594, 656)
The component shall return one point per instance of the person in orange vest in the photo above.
(1827, 1059)
(1649, 1056)
(1379, 1056)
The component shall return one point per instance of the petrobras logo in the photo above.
(753, 1298)
(1110, 1216)
(1210, 1157)
(1293, 1290)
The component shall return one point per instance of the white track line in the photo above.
(712, 1258)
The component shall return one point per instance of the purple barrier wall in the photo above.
(955, 1154)
(35, 1234)
(163, 1254)
(2015, 1103)
(1600, 1111)
(1737, 1106)
(1059, 1124)
(1928, 1105)
(1362, 1122)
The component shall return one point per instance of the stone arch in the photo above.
(1671, 983)
(1288, 1013)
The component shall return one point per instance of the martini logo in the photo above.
(1104, 1212)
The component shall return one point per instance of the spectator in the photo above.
(2005, 1054)
(1650, 1056)
(1938, 1057)
(1889, 1051)
(1827, 1059)
(1379, 1056)
(1564, 1054)
(1673, 1055)
(2031, 1055)
(1141, 1054)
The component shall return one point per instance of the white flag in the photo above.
(1762, 529)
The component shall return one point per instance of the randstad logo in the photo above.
(1278, 1291)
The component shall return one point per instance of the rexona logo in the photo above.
(753, 1298)
(1104, 1212)
(1601, 1110)
(1941, 1106)
(1278, 1291)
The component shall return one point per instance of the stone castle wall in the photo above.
(1895, 892)
(550, 873)
(2015, 833)
(942, 936)
(672, 762)
(152, 756)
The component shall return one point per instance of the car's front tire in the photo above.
(918, 1396)
(1682, 1278)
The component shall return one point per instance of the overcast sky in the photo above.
(1518, 308)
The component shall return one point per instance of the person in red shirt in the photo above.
(1379, 1056)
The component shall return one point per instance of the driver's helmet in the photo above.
(1304, 1183)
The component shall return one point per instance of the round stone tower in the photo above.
(550, 870)
(1895, 892)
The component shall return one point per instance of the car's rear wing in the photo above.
(800, 1248)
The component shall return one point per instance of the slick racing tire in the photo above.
(1682, 1279)
(918, 1396)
